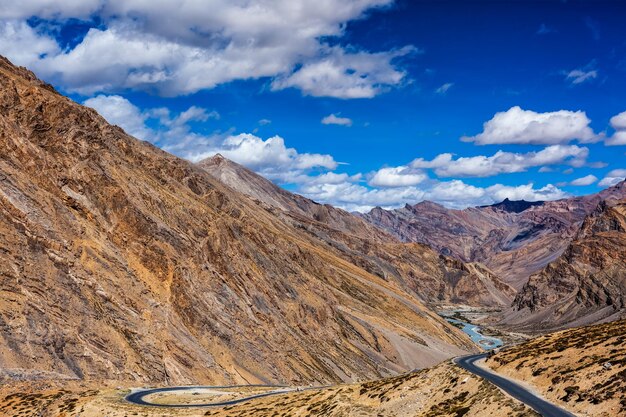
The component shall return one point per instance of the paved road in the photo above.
(540, 405)
(137, 397)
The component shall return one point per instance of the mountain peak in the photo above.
(514, 206)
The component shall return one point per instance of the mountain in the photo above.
(514, 206)
(119, 261)
(416, 268)
(587, 283)
(253, 185)
(513, 239)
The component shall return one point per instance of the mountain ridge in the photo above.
(410, 266)
(120, 261)
(514, 245)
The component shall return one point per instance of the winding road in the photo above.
(137, 397)
(468, 363)
(516, 391)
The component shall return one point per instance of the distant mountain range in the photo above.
(513, 238)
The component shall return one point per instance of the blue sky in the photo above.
(356, 103)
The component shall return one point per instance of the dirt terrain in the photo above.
(582, 369)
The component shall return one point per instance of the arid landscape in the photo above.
(164, 252)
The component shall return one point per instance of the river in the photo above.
(473, 331)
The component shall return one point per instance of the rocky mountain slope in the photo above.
(582, 369)
(587, 283)
(266, 192)
(416, 268)
(513, 239)
(119, 261)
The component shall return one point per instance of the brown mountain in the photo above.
(416, 268)
(272, 196)
(119, 261)
(513, 239)
(587, 283)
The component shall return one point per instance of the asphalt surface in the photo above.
(137, 397)
(540, 405)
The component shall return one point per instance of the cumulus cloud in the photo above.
(583, 181)
(401, 176)
(172, 132)
(25, 46)
(518, 126)
(613, 177)
(455, 194)
(526, 192)
(121, 112)
(48, 9)
(332, 119)
(174, 48)
(341, 74)
(270, 155)
(618, 122)
(503, 162)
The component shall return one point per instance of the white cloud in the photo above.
(174, 48)
(48, 8)
(24, 46)
(618, 122)
(455, 194)
(332, 119)
(579, 76)
(443, 89)
(503, 162)
(586, 180)
(345, 75)
(526, 192)
(119, 111)
(613, 177)
(401, 176)
(618, 138)
(518, 126)
(173, 133)
(270, 157)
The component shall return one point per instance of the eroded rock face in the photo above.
(587, 283)
(416, 268)
(119, 261)
(513, 239)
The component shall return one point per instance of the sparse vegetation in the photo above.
(584, 368)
